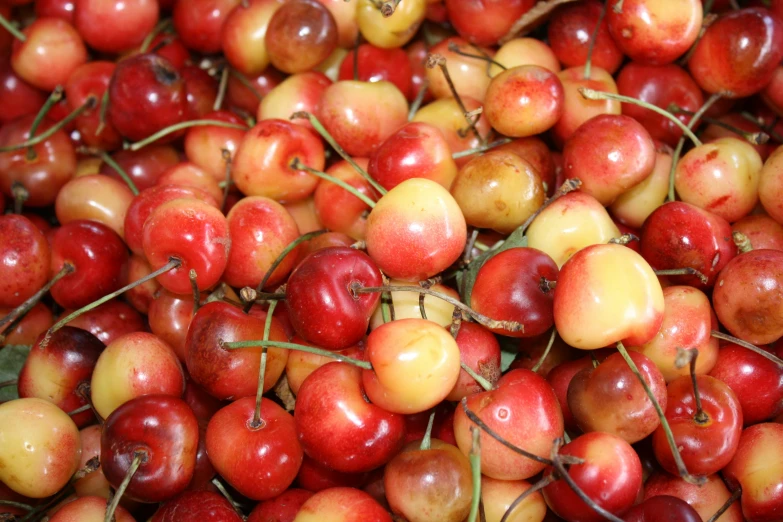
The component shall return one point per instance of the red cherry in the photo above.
(206, 506)
(200, 22)
(497, 17)
(111, 26)
(24, 260)
(378, 64)
(17, 97)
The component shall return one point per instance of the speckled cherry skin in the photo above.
(24, 260)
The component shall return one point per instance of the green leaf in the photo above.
(467, 279)
(509, 349)
(12, 358)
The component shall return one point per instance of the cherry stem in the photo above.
(769, 129)
(171, 265)
(437, 60)
(546, 286)
(193, 276)
(84, 391)
(80, 409)
(25, 307)
(680, 144)
(102, 113)
(223, 491)
(562, 472)
(8, 384)
(742, 241)
(592, 94)
(414, 108)
(20, 194)
(53, 501)
(388, 7)
(754, 138)
(689, 357)
(318, 126)
(221, 95)
(159, 28)
(18, 505)
(426, 441)
(226, 155)
(681, 469)
(283, 391)
(683, 271)
(90, 466)
(492, 324)
(475, 470)
(726, 505)
(106, 158)
(180, 126)
(752, 347)
(541, 484)
(51, 101)
(245, 82)
(236, 345)
(8, 26)
(624, 239)
(298, 165)
(546, 351)
(454, 48)
(591, 45)
(138, 458)
(483, 382)
(492, 433)
(257, 422)
(481, 148)
(48, 133)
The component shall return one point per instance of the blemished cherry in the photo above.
(259, 462)
(654, 508)
(282, 508)
(361, 436)
(342, 505)
(130, 22)
(24, 260)
(54, 372)
(479, 350)
(300, 35)
(747, 296)
(41, 447)
(89, 509)
(738, 53)
(161, 432)
(197, 505)
(163, 102)
(200, 23)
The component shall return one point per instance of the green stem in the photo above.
(25, 307)
(298, 165)
(484, 383)
(298, 347)
(752, 347)
(257, 421)
(592, 94)
(546, 351)
(683, 271)
(162, 26)
(226, 155)
(426, 442)
(223, 491)
(318, 126)
(12, 29)
(247, 84)
(11, 503)
(102, 113)
(681, 469)
(48, 133)
(193, 276)
(418, 100)
(475, 468)
(138, 458)
(180, 126)
(51, 101)
(591, 46)
(481, 148)
(106, 158)
(172, 264)
(221, 95)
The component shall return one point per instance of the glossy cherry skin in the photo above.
(655, 33)
(756, 468)
(53, 49)
(496, 18)
(130, 23)
(378, 64)
(43, 177)
(282, 508)
(89, 508)
(342, 505)
(569, 32)
(738, 53)
(169, 317)
(109, 321)
(508, 287)
(54, 372)
(146, 94)
(17, 97)
(524, 410)
(320, 304)
(192, 231)
(88, 83)
(680, 235)
(706, 446)
(660, 85)
(144, 166)
(762, 231)
(611, 476)
(757, 382)
(747, 296)
(705, 499)
(165, 431)
(99, 257)
(24, 260)
(197, 505)
(247, 98)
(261, 462)
(224, 373)
(662, 508)
(300, 35)
(199, 23)
(339, 210)
(576, 108)
(339, 428)
(314, 476)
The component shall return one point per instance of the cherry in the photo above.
(17, 97)
(746, 296)
(89, 509)
(282, 508)
(109, 321)
(246, 95)
(197, 505)
(55, 372)
(204, 145)
(92, 80)
(143, 166)
(480, 351)
(243, 35)
(186, 174)
(378, 64)
(321, 281)
(34, 323)
(634, 206)
(153, 439)
(447, 115)
(738, 53)
(169, 318)
(298, 92)
(301, 34)
(771, 185)
(576, 108)
(258, 461)
(51, 51)
(569, 32)
(201, 91)
(94, 197)
(524, 51)
(113, 27)
(496, 18)
(705, 499)
(534, 151)
(141, 296)
(662, 508)
(55, 9)
(390, 31)
(24, 260)
(200, 23)
(762, 231)
(406, 305)
(161, 104)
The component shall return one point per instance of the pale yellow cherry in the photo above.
(498, 190)
(607, 293)
(573, 222)
(94, 197)
(39, 447)
(415, 365)
(393, 31)
(771, 185)
(133, 365)
(406, 305)
(524, 51)
(303, 212)
(498, 495)
(633, 206)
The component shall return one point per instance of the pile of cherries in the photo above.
(391, 260)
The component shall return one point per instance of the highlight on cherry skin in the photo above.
(391, 260)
